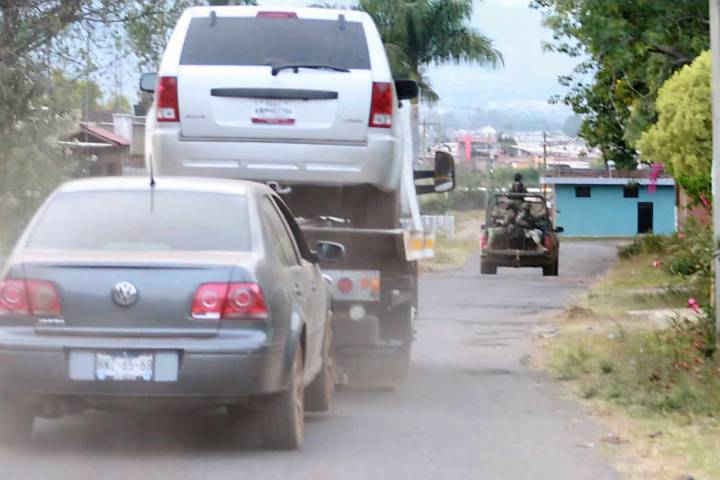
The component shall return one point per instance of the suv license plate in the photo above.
(127, 366)
(273, 112)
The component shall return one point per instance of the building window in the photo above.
(582, 191)
(631, 190)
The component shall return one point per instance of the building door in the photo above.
(645, 217)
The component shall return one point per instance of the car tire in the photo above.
(487, 269)
(283, 421)
(320, 391)
(16, 423)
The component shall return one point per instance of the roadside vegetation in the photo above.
(640, 346)
(454, 251)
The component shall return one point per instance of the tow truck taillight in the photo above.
(277, 15)
(29, 297)
(381, 109)
(168, 109)
(214, 301)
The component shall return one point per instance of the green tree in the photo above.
(626, 50)
(682, 136)
(417, 33)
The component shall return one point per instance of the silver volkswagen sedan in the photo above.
(197, 292)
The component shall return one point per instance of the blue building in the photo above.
(599, 203)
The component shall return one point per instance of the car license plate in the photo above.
(273, 112)
(124, 366)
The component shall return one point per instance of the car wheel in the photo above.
(320, 391)
(16, 423)
(284, 422)
(487, 269)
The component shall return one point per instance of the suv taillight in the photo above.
(29, 297)
(168, 109)
(229, 301)
(381, 109)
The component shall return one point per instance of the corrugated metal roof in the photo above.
(103, 134)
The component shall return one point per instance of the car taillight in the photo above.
(277, 15)
(29, 297)
(345, 285)
(216, 301)
(168, 109)
(483, 240)
(381, 109)
(549, 244)
(44, 298)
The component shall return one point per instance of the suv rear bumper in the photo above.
(375, 162)
(517, 258)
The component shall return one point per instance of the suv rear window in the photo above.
(139, 220)
(249, 41)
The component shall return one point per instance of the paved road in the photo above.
(470, 409)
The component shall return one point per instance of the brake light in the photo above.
(29, 297)
(168, 109)
(277, 15)
(549, 244)
(483, 240)
(214, 301)
(245, 300)
(345, 285)
(44, 298)
(381, 109)
(13, 297)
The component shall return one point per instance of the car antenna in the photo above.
(152, 187)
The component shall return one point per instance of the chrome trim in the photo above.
(293, 141)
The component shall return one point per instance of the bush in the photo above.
(457, 200)
(652, 244)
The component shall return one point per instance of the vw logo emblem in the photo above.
(125, 294)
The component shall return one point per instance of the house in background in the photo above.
(118, 145)
(602, 203)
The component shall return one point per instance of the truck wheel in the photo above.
(284, 422)
(551, 270)
(320, 391)
(487, 269)
(16, 423)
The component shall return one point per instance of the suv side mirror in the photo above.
(559, 229)
(406, 89)
(330, 251)
(443, 175)
(148, 82)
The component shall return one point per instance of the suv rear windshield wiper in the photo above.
(295, 66)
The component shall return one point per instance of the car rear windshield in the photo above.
(249, 41)
(141, 220)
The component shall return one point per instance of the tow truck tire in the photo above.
(487, 269)
(283, 422)
(16, 423)
(320, 391)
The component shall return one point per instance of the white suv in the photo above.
(299, 96)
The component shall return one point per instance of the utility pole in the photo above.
(715, 42)
(545, 169)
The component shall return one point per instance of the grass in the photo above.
(641, 377)
(454, 252)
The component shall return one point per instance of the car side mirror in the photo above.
(148, 82)
(329, 251)
(406, 89)
(559, 229)
(443, 175)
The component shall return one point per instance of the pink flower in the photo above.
(681, 235)
(655, 171)
(693, 305)
(656, 264)
(704, 200)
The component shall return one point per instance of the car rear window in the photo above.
(141, 220)
(249, 41)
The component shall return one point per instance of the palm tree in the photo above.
(418, 33)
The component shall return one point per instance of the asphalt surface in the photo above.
(470, 409)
